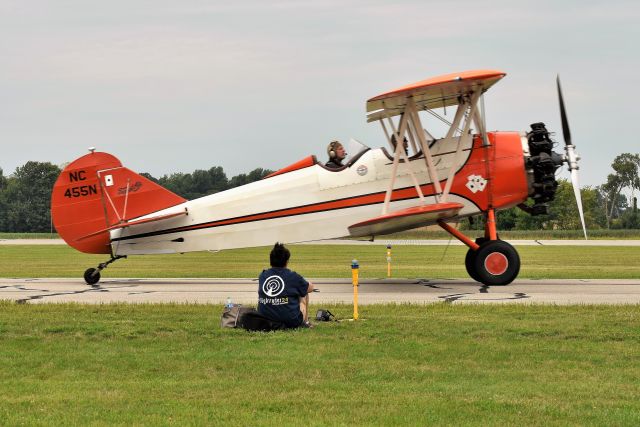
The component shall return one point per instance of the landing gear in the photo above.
(489, 260)
(495, 263)
(470, 259)
(92, 275)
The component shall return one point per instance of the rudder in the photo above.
(95, 192)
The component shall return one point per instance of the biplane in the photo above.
(99, 206)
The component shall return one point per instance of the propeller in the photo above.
(571, 157)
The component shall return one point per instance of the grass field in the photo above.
(423, 233)
(523, 234)
(538, 262)
(402, 365)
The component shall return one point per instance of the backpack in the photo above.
(232, 317)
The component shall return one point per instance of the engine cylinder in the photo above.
(544, 162)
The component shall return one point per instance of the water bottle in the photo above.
(229, 304)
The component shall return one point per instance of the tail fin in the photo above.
(95, 192)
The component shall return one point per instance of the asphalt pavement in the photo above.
(419, 291)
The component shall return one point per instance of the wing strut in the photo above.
(400, 152)
(471, 104)
(410, 125)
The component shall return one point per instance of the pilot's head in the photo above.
(336, 151)
(405, 143)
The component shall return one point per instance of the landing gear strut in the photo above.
(489, 260)
(92, 275)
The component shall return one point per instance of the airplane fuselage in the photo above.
(314, 203)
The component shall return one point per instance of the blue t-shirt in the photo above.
(279, 293)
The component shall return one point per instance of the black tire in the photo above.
(496, 263)
(90, 277)
(470, 258)
(469, 262)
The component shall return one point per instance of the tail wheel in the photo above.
(92, 276)
(495, 263)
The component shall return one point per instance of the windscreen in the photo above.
(354, 148)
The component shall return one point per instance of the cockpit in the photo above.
(354, 150)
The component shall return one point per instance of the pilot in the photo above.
(405, 144)
(336, 153)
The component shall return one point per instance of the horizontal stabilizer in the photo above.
(135, 222)
(405, 219)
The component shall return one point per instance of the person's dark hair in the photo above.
(279, 256)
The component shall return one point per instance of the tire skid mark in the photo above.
(22, 288)
(455, 297)
(88, 289)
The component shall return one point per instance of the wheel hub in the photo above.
(496, 263)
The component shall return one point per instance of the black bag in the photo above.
(324, 316)
(254, 321)
(232, 317)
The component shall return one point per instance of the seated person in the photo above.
(283, 295)
(405, 144)
(336, 153)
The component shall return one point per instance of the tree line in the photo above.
(605, 206)
(25, 197)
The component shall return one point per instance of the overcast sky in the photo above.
(174, 86)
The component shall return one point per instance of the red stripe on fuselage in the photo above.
(508, 165)
(351, 202)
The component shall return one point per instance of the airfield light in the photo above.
(354, 279)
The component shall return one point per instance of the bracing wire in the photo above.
(448, 244)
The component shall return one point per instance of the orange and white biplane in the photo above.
(99, 206)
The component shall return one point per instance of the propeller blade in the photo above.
(566, 133)
(576, 191)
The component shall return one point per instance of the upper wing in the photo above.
(436, 92)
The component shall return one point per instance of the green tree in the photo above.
(27, 198)
(3, 205)
(563, 211)
(3, 180)
(149, 177)
(254, 175)
(631, 217)
(506, 220)
(197, 184)
(627, 175)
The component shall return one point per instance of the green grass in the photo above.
(441, 234)
(404, 365)
(630, 234)
(589, 262)
(29, 236)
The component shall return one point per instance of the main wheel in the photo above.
(92, 276)
(496, 263)
(470, 259)
(469, 262)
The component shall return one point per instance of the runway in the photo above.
(244, 291)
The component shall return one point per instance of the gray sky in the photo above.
(174, 86)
